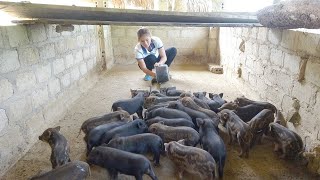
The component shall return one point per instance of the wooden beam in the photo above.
(28, 12)
(86, 22)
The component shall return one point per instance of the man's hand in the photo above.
(153, 74)
(157, 64)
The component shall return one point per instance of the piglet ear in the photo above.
(221, 95)
(199, 121)
(153, 130)
(121, 116)
(161, 122)
(204, 93)
(225, 116)
(57, 128)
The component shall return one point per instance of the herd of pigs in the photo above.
(181, 125)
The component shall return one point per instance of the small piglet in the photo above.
(137, 126)
(76, 170)
(192, 160)
(133, 105)
(59, 146)
(212, 142)
(140, 144)
(168, 133)
(238, 130)
(115, 161)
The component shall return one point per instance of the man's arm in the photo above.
(143, 67)
(163, 57)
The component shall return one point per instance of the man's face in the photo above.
(145, 41)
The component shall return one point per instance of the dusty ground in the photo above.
(116, 84)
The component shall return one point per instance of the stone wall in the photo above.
(279, 66)
(191, 42)
(42, 73)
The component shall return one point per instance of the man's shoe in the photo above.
(147, 77)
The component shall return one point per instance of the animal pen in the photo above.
(64, 66)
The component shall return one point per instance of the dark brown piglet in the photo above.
(192, 160)
(76, 170)
(115, 161)
(59, 146)
(238, 130)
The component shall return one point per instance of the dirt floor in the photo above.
(115, 84)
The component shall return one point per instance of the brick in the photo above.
(20, 108)
(118, 31)
(245, 32)
(66, 33)
(61, 46)
(88, 39)
(289, 39)
(71, 43)
(250, 62)
(259, 68)
(277, 57)
(283, 81)
(75, 74)
(173, 33)
(94, 61)
(91, 27)
(86, 53)
(312, 71)
(77, 28)
(308, 43)
(274, 36)
(84, 28)
(286, 104)
(65, 80)
(39, 97)
(238, 32)
(58, 66)
(304, 92)
(69, 61)
(90, 64)
(254, 32)
(35, 124)
(51, 31)
(200, 52)
(54, 87)
(37, 32)
(159, 33)
(251, 49)
(1, 39)
(17, 35)
(26, 81)
(6, 89)
(317, 104)
(252, 80)
(47, 51)
(308, 121)
(292, 63)
(93, 50)
(43, 73)
(262, 34)
(8, 61)
(80, 41)
(28, 56)
(79, 57)
(264, 52)
(132, 32)
(3, 120)
(83, 68)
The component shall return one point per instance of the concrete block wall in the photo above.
(271, 64)
(42, 73)
(191, 42)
